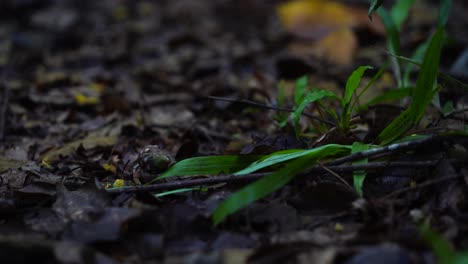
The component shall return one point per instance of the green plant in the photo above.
(421, 97)
(443, 250)
(426, 84)
(304, 97)
(283, 166)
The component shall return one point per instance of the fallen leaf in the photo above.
(338, 47)
(6, 164)
(329, 24)
(67, 149)
(315, 19)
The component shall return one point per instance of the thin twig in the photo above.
(271, 107)
(390, 148)
(336, 176)
(420, 186)
(208, 180)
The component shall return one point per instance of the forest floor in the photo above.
(87, 86)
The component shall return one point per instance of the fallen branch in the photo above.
(387, 149)
(210, 180)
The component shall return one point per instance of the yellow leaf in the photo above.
(118, 183)
(315, 18)
(109, 167)
(328, 23)
(86, 100)
(97, 87)
(338, 47)
(339, 227)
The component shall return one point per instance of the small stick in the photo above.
(336, 175)
(390, 148)
(255, 176)
(420, 186)
(271, 107)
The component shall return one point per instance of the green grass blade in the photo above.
(374, 79)
(311, 97)
(461, 258)
(390, 95)
(353, 83)
(300, 89)
(442, 248)
(444, 12)
(373, 7)
(397, 127)
(417, 57)
(260, 188)
(444, 76)
(281, 118)
(393, 42)
(276, 158)
(423, 92)
(400, 11)
(359, 176)
(209, 165)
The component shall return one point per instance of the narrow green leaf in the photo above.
(353, 83)
(281, 94)
(448, 108)
(443, 249)
(373, 7)
(461, 258)
(400, 11)
(260, 188)
(390, 95)
(393, 42)
(359, 176)
(300, 89)
(443, 76)
(418, 57)
(281, 118)
(374, 79)
(209, 165)
(444, 12)
(275, 158)
(423, 92)
(311, 97)
(397, 127)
